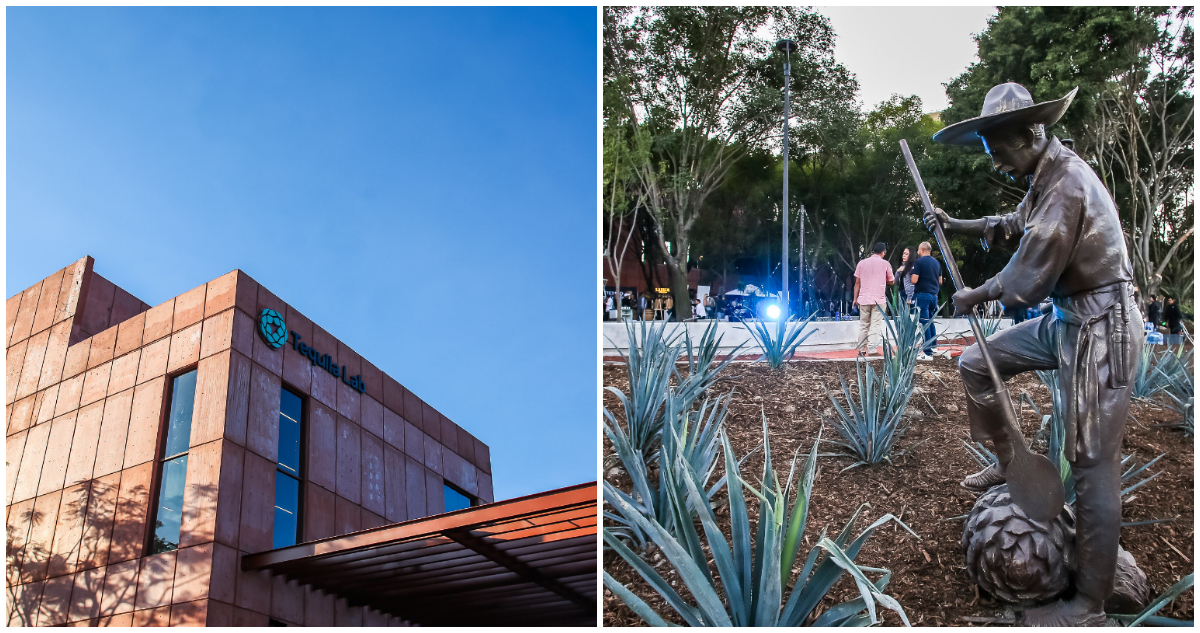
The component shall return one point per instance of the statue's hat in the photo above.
(1006, 104)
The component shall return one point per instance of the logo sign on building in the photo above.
(272, 329)
(325, 361)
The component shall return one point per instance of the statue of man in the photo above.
(1069, 246)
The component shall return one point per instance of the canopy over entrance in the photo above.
(521, 562)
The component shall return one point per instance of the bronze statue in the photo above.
(1069, 246)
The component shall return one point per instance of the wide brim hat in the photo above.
(1005, 104)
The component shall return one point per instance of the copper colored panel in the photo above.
(95, 384)
(31, 463)
(56, 601)
(269, 358)
(254, 593)
(414, 441)
(373, 380)
(431, 421)
(393, 429)
(31, 369)
(372, 415)
(229, 504)
(58, 450)
(247, 293)
(262, 425)
(97, 306)
(193, 572)
(324, 387)
(14, 447)
(156, 576)
(194, 613)
(189, 308)
(101, 350)
(435, 498)
(144, 421)
(21, 416)
(120, 589)
(47, 302)
(24, 323)
(413, 408)
(449, 434)
(372, 520)
(414, 486)
(237, 406)
(10, 316)
(69, 392)
(124, 372)
(83, 445)
(217, 334)
(25, 599)
(243, 333)
(433, 455)
(185, 348)
(393, 394)
(85, 595)
(160, 616)
(221, 294)
(114, 431)
(453, 466)
(287, 600)
(158, 321)
(17, 526)
(72, 287)
(56, 355)
(223, 584)
(319, 513)
(322, 437)
(43, 405)
(72, 510)
(200, 496)
(258, 504)
(485, 487)
(319, 609)
(41, 532)
(245, 617)
(129, 334)
(349, 460)
(347, 516)
(483, 456)
(212, 388)
(98, 525)
(133, 504)
(77, 357)
(153, 362)
(13, 364)
(372, 474)
(125, 306)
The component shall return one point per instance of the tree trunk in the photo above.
(679, 289)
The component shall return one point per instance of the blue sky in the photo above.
(420, 182)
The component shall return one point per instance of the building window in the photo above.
(457, 499)
(172, 468)
(287, 470)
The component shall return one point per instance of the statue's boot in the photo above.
(1077, 611)
(984, 479)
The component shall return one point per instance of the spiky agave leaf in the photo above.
(780, 345)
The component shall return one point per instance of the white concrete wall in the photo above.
(829, 336)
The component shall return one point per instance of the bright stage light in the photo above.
(773, 311)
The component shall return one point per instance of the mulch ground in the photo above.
(929, 576)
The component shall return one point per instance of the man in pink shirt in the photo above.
(871, 278)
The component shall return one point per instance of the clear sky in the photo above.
(419, 182)
(906, 50)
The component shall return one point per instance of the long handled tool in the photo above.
(1033, 481)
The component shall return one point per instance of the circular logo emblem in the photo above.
(272, 329)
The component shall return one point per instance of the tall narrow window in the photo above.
(456, 499)
(287, 470)
(172, 469)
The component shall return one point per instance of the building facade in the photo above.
(150, 449)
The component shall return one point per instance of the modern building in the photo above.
(221, 460)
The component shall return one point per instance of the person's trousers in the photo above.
(1094, 347)
(927, 302)
(870, 325)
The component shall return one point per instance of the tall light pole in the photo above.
(786, 47)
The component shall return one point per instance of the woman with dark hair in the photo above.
(905, 271)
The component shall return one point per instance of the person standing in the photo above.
(1174, 320)
(871, 279)
(710, 307)
(1154, 310)
(926, 278)
(907, 260)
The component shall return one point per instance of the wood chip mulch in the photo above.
(929, 577)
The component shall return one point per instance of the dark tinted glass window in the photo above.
(455, 500)
(287, 509)
(287, 470)
(289, 433)
(179, 424)
(172, 470)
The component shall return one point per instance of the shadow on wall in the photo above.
(76, 555)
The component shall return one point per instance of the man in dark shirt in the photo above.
(1154, 310)
(1070, 247)
(927, 281)
(1174, 318)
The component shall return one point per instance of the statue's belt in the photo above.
(1084, 434)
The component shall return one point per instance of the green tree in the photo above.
(705, 84)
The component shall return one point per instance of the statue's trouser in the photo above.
(1094, 340)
